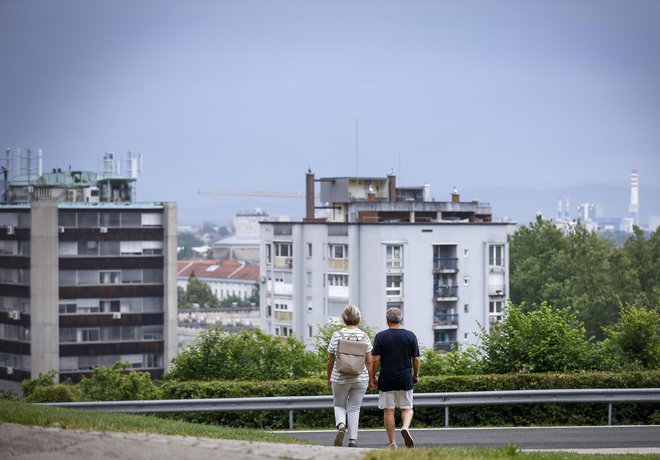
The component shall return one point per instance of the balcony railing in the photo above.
(446, 346)
(445, 319)
(283, 262)
(445, 264)
(442, 291)
(496, 290)
(338, 264)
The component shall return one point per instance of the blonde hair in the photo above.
(351, 315)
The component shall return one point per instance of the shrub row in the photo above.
(522, 415)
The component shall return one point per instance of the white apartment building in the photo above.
(445, 264)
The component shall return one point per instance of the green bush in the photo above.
(60, 392)
(247, 355)
(116, 383)
(521, 415)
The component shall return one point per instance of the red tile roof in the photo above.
(217, 269)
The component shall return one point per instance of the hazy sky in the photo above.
(248, 94)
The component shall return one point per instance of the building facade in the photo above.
(445, 264)
(85, 283)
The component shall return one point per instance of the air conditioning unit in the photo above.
(104, 229)
(60, 229)
(10, 230)
(116, 315)
(10, 370)
(15, 314)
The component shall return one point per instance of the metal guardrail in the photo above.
(446, 400)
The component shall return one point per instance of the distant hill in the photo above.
(522, 204)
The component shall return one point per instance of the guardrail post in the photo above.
(291, 419)
(609, 414)
(446, 416)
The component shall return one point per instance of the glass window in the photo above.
(496, 255)
(131, 219)
(338, 251)
(394, 284)
(109, 219)
(110, 277)
(394, 256)
(88, 219)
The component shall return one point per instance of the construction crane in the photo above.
(270, 193)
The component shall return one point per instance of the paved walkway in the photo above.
(38, 443)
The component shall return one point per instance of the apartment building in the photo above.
(376, 245)
(87, 276)
(225, 278)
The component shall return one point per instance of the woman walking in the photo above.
(348, 389)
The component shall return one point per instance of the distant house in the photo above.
(225, 277)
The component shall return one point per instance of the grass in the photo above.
(509, 452)
(27, 414)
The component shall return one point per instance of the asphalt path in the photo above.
(633, 438)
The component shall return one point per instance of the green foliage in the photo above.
(198, 292)
(116, 383)
(249, 354)
(583, 270)
(542, 340)
(30, 385)
(324, 335)
(635, 339)
(60, 392)
(467, 361)
(188, 239)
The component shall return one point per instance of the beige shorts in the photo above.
(403, 399)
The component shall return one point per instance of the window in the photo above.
(393, 285)
(495, 306)
(338, 251)
(90, 334)
(309, 249)
(109, 277)
(466, 308)
(394, 256)
(283, 250)
(337, 280)
(110, 306)
(67, 309)
(496, 255)
(466, 281)
(269, 254)
(308, 276)
(310, 332)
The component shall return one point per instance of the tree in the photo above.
(198, 292)
(635, 339)
(247, 355)
(578, 268)
(644, 256)
(542, 340)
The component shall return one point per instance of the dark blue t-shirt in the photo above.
(396, 348)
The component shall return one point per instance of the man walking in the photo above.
(396, 351)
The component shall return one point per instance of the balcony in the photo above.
(445, 321)
(445, 264)
(496, 291)
(446, 346)
(445, 292)
(338, 264)
(283, 262)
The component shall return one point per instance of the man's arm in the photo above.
(415, 364)
(375, 364)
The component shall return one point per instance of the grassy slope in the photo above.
(27, 414)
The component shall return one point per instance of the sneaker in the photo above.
(339, 437)
(407, 438)
(352, 444)
(392, 446)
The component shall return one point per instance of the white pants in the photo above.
(348, 400)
